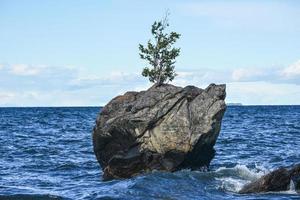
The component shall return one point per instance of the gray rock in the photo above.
(164, 128)
(281, 179)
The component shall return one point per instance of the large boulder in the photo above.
(281, 179)
(164, 128)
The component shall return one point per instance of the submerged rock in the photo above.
(281, 179)
(164, 128)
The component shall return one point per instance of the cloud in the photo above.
(289, 74)
(246, 74)
(264, 93)
(249, 86)
(202, 76)
(292, 71)
(6, 97)
(269, 86)
(24, 70)
(22, 77)
(43, 85)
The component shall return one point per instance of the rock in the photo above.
(164, 128)
(281, 179)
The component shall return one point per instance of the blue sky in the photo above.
(84, 52)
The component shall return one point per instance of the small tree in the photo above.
(161, 54)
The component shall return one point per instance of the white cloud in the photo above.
(263, 93)
(24, 70)
(292, 70)
(201, 77)
(62, 86)
(6, 97)
(42, 85)
(245, 74)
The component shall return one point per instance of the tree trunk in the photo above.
(160, 82)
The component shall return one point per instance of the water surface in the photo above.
(46, 153)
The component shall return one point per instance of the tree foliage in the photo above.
(160, 53)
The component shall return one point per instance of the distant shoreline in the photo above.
(234, 104)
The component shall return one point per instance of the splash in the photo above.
(233, 179)
(292, 189)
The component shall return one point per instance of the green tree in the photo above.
(160, 54)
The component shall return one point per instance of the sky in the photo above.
(85, 52)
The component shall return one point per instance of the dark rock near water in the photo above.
(281, 179)
(164, 128)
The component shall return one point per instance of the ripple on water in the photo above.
(47, 153)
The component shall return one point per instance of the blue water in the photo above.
(46, 153)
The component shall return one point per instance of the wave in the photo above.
(233, 179)
(31, 197)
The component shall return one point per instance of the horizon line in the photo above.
(86, 106)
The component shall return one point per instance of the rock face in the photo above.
(281, 179)
(164, 128)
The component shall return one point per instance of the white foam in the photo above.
(242, 171)
(232, 184)
(291, 190)
(233, 179)
(292, 186)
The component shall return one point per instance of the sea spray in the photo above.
(292, 186)
(233, 179)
